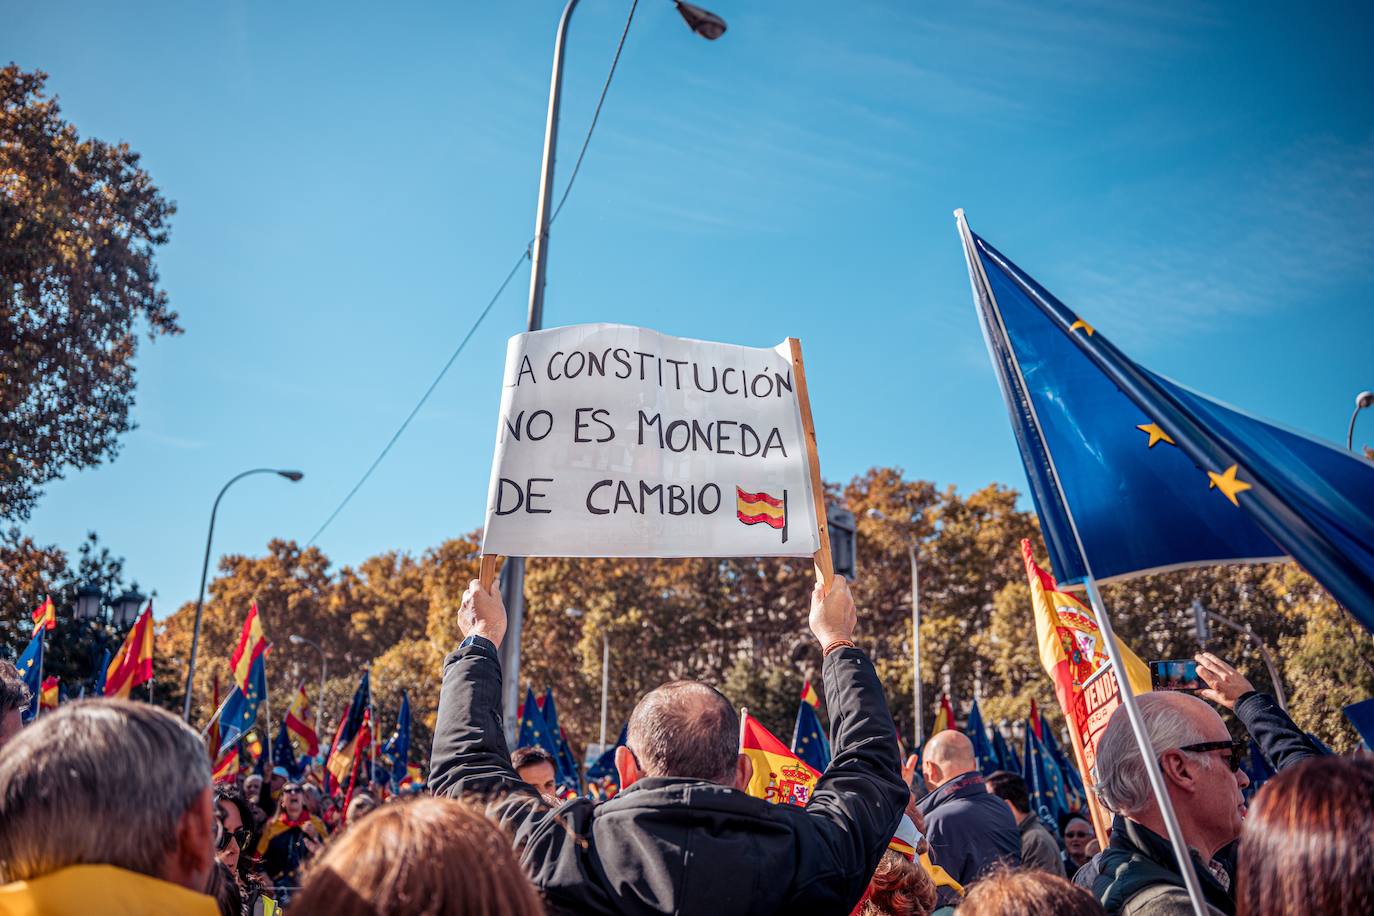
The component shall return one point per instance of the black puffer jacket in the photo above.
(685, 846)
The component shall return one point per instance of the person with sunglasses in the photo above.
(289, 841)
(1138, 874)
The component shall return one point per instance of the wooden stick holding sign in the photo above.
(486, 573)
(825, 565)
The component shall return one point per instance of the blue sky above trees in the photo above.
(353, 183)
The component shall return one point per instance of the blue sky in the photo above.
(354, 180)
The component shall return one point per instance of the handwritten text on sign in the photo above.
(619, 441)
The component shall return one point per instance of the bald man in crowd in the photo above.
(969, 829)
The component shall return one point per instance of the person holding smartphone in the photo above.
(1280, 740)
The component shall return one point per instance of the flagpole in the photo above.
(605, 683)
(42, 659)
(917, 735)
(983, 293)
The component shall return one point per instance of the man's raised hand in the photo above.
(1225, 685)
(482, 613)
(833, 615)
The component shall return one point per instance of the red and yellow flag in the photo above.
(300, 723)
(779, 776)
(252, 643)
(44, 617)
(944, 719)
(133, 665)
(1074, 655)
(48, 699)
(227, 767)
(809, 695)
(760, 509)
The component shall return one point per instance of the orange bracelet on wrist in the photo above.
(837, 644)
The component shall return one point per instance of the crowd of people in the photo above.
(107, 806)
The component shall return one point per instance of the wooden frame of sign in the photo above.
(825, 565)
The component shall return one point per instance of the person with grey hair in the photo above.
(105, 807)
(14, 699)
(682, 836)
(1138, 874)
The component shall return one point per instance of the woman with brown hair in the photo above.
(424, 857)
(1027, 892)
(1308, 842)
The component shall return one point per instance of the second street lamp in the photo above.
(324, 666)
(292, 476)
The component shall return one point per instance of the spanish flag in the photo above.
(298, 722)
(809, 695)
(252, 643)
(944, 719)
(353, 732)
(133, 665)
(779, 777)
(44, 617)
(49, 696)
(762, 509)
(227, 766)
(1073, 653)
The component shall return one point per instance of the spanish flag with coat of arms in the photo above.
(779, 776)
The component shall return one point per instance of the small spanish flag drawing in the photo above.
(809, 695)
(762, 509)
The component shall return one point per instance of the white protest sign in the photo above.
(616, 441)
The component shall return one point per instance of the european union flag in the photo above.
(1034, 771)
(397, 746)
(1152, 475)
(284, 754)
(1361, 716)
(566, 764)
(241, 709)
(101, 670)
(1076, 797)
(30, 666)
(808, 738)
(988, 759)
(1006, 756)
(1257, 767)
(604, 766)
(534, 731)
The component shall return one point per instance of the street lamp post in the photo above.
(917, 733)
(1362, 400)
(324, 666)
(709, 26)
(292, 476)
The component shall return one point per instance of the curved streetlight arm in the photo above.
(204, 571)
(1258, 643)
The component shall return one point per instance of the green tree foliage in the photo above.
(79, 221)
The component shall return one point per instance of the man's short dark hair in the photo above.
(14, 693)
(530, 756)
(1010, 786)
(686, 729)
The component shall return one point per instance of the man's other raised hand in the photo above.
(482, 613)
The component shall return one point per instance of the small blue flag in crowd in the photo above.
(565, 763)
(397, 747)
(30, 665)
(988, 759)
(808, 738)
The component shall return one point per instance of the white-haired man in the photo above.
(106, 808)
(1138, 872)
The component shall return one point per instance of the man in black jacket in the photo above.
(681, 837)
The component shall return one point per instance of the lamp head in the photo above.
(292, 476)
(704, 22)
(1364, 399)
(295, 639)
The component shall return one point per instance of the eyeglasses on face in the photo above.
(293, 790)
(1077, 835)
(1236, 750)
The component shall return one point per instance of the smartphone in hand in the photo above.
(1175, 674)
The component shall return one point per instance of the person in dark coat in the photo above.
(681, 837)
(969, 829)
